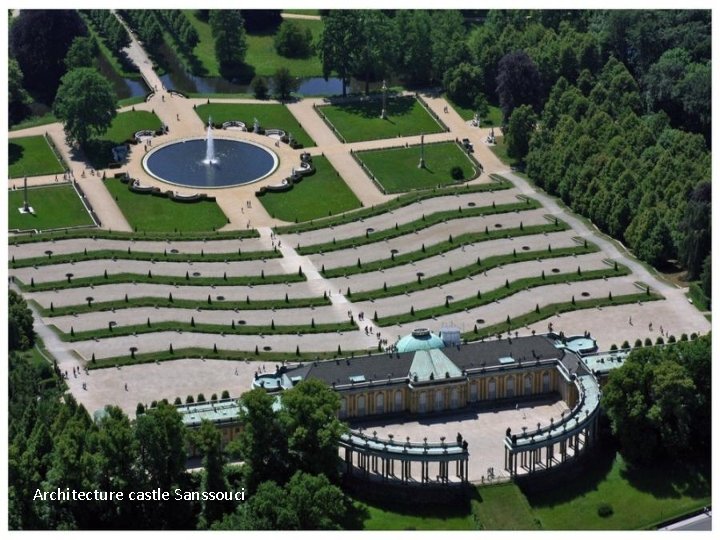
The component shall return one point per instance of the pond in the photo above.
(177, 78)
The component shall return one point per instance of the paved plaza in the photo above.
(483, 429)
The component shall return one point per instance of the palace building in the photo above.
(426, 374)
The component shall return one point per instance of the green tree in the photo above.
(447, 42)
(306, 502)
(706, 277)
(209, 443)
(260, 87)
(519, 131)
(291, 41)
(375, 57)
(161, 435)
(658, 401)
(262, 442)
(17, 95)
(39, 41)
(309, 417)
(230, 43)
(20, 323)
(337, 44)
(85, 103)
(81, 53)
(284, 84)
(463, 84)
(695, 229)
(414, 61)
(116, 455)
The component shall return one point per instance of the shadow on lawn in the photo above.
(371, 109)
(574, 481)
(670, 479)
(15, 153)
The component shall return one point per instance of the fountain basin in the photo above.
(236, 163)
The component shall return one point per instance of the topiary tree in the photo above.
(291, 41)
(457, 173)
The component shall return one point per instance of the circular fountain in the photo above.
(210, 162)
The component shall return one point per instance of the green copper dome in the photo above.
(421, 339)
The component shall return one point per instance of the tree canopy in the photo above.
(85, 103)
(20, 323)
(230, 42)
(659, 401)
(39, 41)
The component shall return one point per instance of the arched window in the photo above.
(439, 401)
(343, 408)
(455, 398)
(398, 401)
(473, 391)
(492, 391)
(528, 384)
(361, 405)
(422, 402)
(379, 403)
(510, 386)
(546, 382)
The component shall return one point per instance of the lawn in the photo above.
(55, 207)
(32, 121)
(397, 168)
(500, 150)
(640, 498)
(503, 507)
(261, 55)
(322, 194)
(360, 120)
(151, 213)
(204, 51)
(270, 115)
(386, 520)
(32, 156)
(696, 294)
(494, 117)
(123, 127)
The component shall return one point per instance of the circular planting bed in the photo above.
(267, 348)
(555, 270)
(498, 226)
(526, 248)
(480, 321)
(196, 274)
(584, 293)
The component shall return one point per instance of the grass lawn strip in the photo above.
(488, 297)
(32, 156)
(144, 256)
(442, 247)
(360, 120)
(470, 270)
(126, 124)
(261, 54)
(396, 169)
(551, 310)
(321, 194)
(224, 329)
(270, 115)
(502, 507)
(210, 354)
(493, 119)
(158, 214)
(418, 225)
(160, 280)
(641, 496)
(122, 235)
(397, 202)
(55, 207)
(165, 302)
